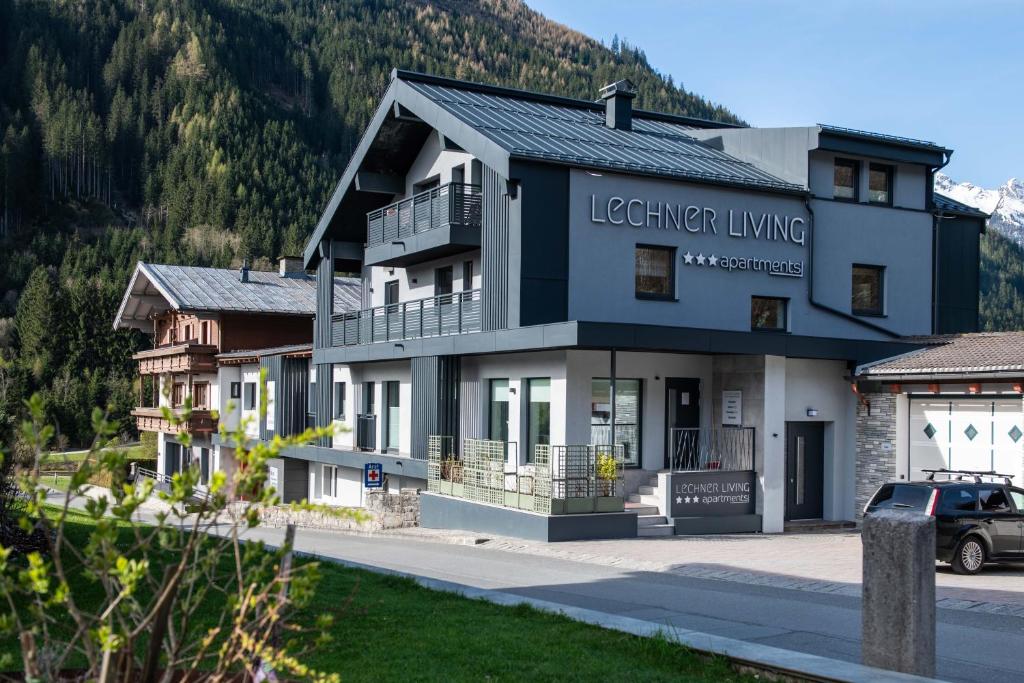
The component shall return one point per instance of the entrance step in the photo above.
(817, 525)
(647, 490)
(649, 499)
(641, 510)
(650, 520)
(656, 530)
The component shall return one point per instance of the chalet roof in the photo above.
(956, 354)
(255, 354)
(155, 288)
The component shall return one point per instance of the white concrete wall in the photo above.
(432, 162)
(251, 373)
(345, 430)
(377, 373)
(417, 282)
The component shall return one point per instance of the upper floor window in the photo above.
(655, 272)
(249, 402)
(768, 313)
(177, 395)
(201, 395)
(467, 276)
(204, 337)
(868, 289)
(844, 186)
(880, 184)
(236, 390)
(339, 400)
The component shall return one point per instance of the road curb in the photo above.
(786, 663)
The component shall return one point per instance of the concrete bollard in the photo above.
(898, 604)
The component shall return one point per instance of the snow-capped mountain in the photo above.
(1005, 203)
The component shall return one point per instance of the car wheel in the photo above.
(969, 556)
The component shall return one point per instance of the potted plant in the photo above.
(607, 471)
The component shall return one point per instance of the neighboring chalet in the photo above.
(196, 315)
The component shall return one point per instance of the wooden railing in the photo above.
(434, 316)
(450, 204)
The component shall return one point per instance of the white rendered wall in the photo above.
(345, 430)
(378, 373)
(772, 476)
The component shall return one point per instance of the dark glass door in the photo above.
(805, 470)
(443, 281)
(391, 292)
(682, 411)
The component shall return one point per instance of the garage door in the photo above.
(979, 434)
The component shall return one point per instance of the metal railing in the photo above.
(730, 449)
(434, 316)
(366, 432)
(449, 204)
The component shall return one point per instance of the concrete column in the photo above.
(773, 429)
(898, 604)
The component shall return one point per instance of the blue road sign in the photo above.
(373, 475)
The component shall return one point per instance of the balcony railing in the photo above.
(366, 432)
(451, 204)
(431, 317)
(729, 449)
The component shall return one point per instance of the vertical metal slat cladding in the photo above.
(435, 400)
(324, 400)
(470, 421)
(494, 246)
(324, 297)
(292, 396)
(272, 364)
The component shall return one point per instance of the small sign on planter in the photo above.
(711, 494)
(373, 475)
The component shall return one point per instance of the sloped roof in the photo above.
(950, 205)
(256, 354)
(574, 132)
(961, 354)
(880, 137)
(155, 288)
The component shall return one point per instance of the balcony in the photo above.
(428, 225)
(153, 420)
(434, 316)
(183, 358)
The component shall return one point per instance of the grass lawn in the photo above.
(390, 628)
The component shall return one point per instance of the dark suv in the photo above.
(975, 521)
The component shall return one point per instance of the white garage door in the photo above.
(980, 435)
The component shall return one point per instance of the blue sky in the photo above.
(949, 72)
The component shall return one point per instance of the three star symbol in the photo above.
(701, 259)
(680, 500)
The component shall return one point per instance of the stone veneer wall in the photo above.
(876, 446)
(386, 511)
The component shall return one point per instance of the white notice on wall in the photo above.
(732, 408)
(272, 477)
(271, 386)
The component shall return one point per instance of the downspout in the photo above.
(810, 282)
(936, 219)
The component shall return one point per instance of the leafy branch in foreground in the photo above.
(180, 589)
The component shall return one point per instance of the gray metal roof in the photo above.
(155, 288)
(881, 137)
(950, 205)
(574, 132)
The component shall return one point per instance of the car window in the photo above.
(994, 500)
(1018, 499)
(960, 499)
(901, 497)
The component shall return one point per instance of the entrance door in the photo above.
(682, 411)
(805, 470)
(391, 292)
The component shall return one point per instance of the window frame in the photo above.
(201, 396)
(490, 406)
(389, 389)
(250, 401)
(236, 390)
(467, 276)
(672, 274)
(785, 313)
(527, 395)
(856, 164)
(340, 394)
(890, 182)
(864, 312)
(639, 424)
(324, 468)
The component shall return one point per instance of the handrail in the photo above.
(448, 204)
(434, 316)
(729, 449)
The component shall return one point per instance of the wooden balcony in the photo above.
(439, 222)
(153, 420)
(181, 358)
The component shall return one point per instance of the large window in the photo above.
(339, 400)
(655, 272)
(880, 184)
(628, 403)
(497, 410)
(538, 426)
(768, 313)
(392, 426)
(845, 184)
(868, 290)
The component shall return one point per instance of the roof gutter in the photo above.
(810, 284)
(936, 218)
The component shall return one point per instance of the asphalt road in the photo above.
(972, 646)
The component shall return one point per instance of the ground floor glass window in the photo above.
(538, 430)
(628, 403)
(391, 390)
(497, 410)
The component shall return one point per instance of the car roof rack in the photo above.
(976, 475)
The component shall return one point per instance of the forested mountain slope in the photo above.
(201, 131)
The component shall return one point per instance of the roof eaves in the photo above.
(882, 137)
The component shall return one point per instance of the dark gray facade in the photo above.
(435, 400)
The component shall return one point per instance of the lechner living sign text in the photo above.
(705, 220)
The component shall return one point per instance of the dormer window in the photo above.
(845, 183)
(880, 184)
